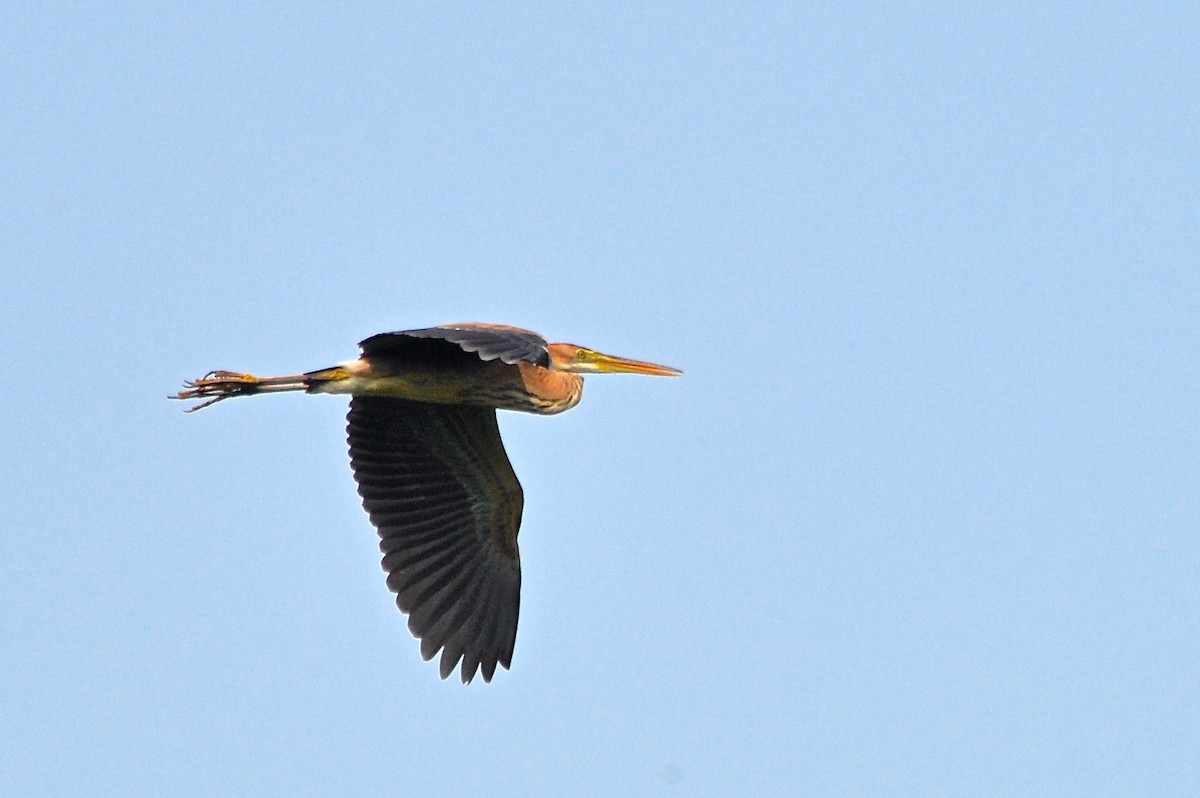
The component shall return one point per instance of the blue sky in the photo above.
(920, 519)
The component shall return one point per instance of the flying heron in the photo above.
(434, 478)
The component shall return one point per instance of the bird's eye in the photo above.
(583, 355)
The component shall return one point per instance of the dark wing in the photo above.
(490, 341)
(440, 490)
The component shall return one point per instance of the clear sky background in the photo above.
(920, 519)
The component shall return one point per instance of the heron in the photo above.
(431, 469)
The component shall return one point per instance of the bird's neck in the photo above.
(549, 391)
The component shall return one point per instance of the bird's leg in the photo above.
(217, 385)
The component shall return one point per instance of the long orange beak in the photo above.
(611, 364)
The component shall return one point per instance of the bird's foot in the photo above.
(217, 385)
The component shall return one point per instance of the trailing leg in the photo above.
(217, 385)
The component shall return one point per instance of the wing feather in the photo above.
(489, 341)
(439, 488)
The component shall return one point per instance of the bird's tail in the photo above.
(217, 385)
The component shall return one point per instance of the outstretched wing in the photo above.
(439, 488)
(490, 341)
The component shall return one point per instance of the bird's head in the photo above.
(581, 360)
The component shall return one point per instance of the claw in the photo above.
(203, 404)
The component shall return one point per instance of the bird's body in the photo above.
(431, 468)
(418, 365)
